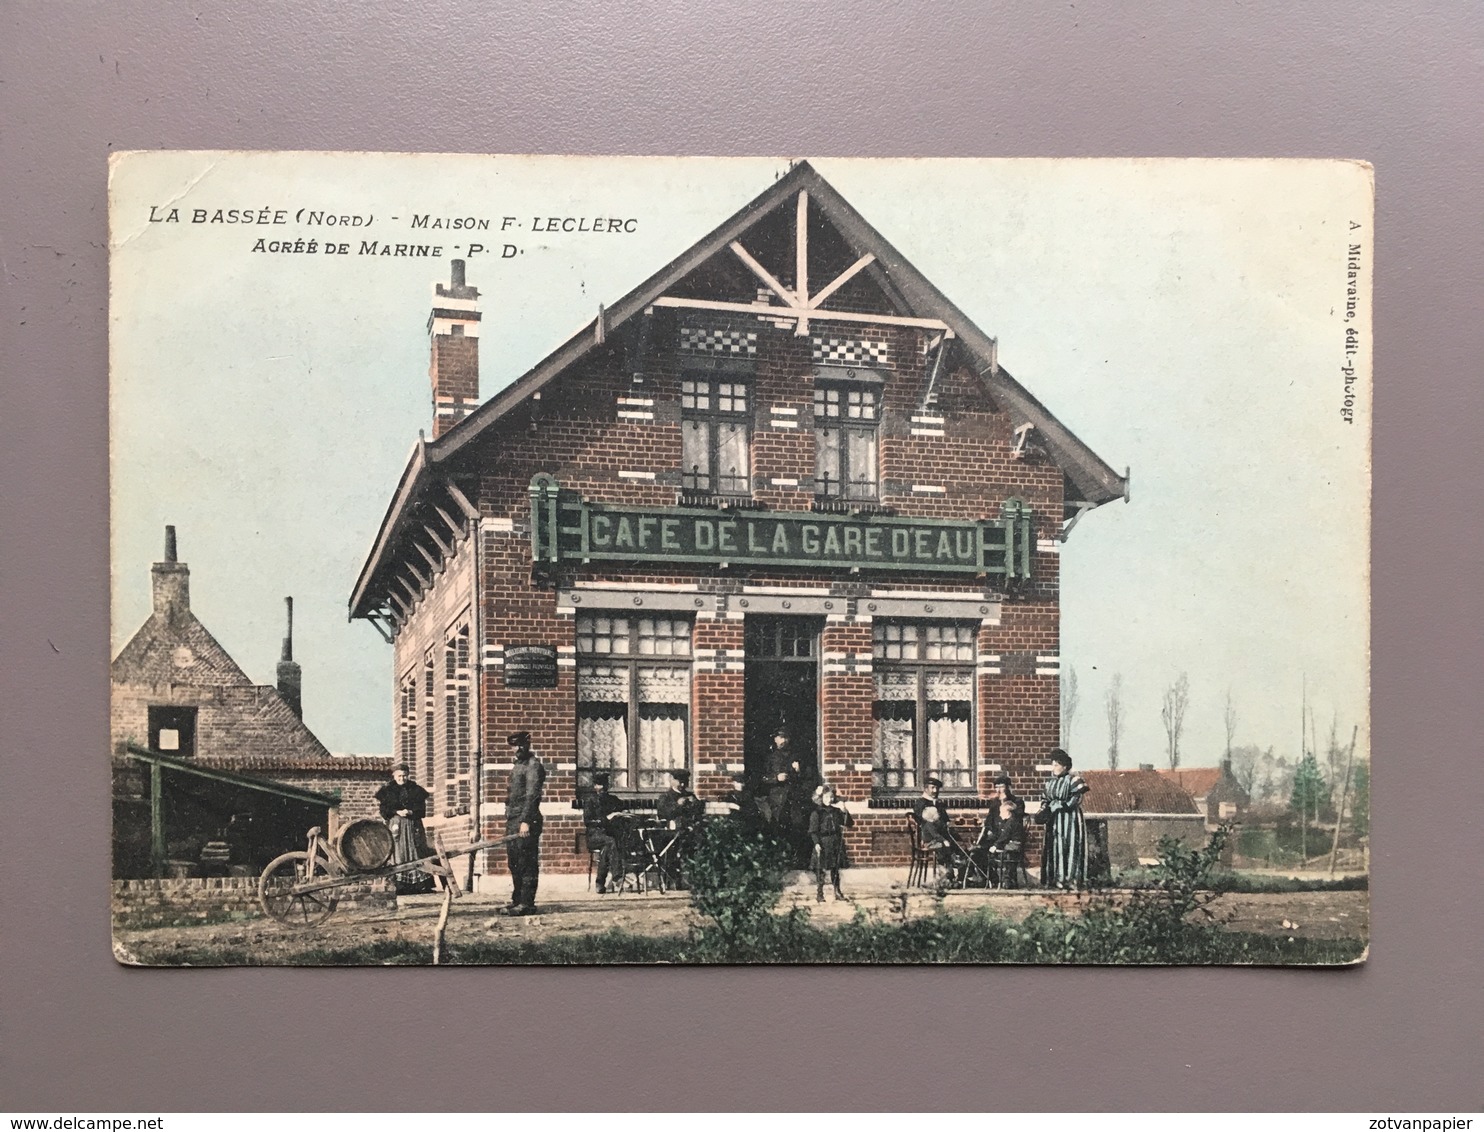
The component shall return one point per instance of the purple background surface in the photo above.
(1400, 87)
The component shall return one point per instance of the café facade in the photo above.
(782, 483)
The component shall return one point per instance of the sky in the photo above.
(1186, 319)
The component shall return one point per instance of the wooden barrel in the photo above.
(364, 845)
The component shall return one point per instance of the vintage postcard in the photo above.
(686, 560)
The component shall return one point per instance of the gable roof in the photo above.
(153, 654)
(262, 727)
(912, 293)
(1134, 791)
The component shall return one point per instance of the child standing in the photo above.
(826, 829)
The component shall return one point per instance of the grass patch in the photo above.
(948, 938)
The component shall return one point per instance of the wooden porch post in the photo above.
(156, 820)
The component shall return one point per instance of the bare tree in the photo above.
(1113, 706)
(1229, 720)
(1172, 713)
(1068, 705)
(1335, 754)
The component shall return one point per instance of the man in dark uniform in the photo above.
(597, 810)
(780, 769)
(523, 825)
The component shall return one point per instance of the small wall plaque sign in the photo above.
(530, 666)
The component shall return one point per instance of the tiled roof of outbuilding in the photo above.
(1134, 791)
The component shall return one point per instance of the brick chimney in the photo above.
(454, 366)
(290, 675)
(170, 582)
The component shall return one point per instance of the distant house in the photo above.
(202, 754)
(1139, 807)
(1215, 789)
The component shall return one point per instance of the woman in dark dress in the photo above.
(403, 805)
(1004, 829)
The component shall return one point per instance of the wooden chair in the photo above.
(923, 859)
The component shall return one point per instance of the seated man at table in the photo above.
(678, 807)
(931, 816)
(742, 803)
(1004, 825)
(598, 810)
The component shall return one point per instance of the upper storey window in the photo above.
(846, 418)
(714, 435)
(715, 424)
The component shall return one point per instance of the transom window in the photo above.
(714, 435)
(846, 418)
(906, 640)
(924, 703)
(633, 698)
(781, 638)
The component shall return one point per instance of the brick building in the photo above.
(177, 693)
(1137, 808)
(782, 482)
(1216, 791)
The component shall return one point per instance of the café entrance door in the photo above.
(781, 689)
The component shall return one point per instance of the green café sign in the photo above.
(567, 528)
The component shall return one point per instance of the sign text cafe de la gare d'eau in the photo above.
(570, 529)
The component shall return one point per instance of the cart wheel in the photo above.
(303, 910)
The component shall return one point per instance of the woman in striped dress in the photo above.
(1064, 859)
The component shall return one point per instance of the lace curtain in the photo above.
(896, 710)
(664, 705)
(602, 720)
(949, 697)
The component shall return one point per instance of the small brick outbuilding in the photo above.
(177, 693)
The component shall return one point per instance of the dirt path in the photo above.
(1314, 915)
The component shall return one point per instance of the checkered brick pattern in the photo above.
(850, 351)
(719, 340)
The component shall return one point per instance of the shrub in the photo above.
(736, 877)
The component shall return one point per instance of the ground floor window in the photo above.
(633, 699)
(924, 704)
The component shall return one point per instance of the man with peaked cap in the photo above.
(523, 825)
(681, 810)
(679, 805)
(598, 808)
(931, 815)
